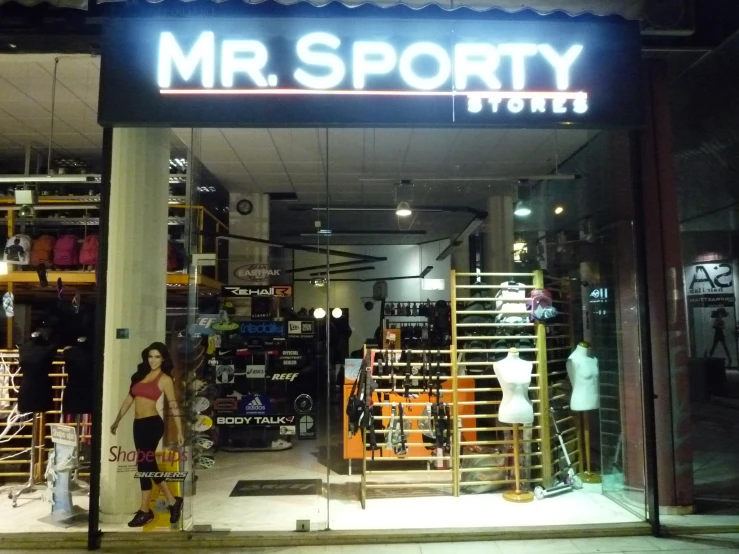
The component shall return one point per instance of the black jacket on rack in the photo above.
(36, 358)
(78, 364)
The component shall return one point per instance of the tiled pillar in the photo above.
(666, 299)
(136, 294)
(499, 234)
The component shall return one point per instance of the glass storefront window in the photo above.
(327, 279)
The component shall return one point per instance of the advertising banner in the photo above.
(156, 459)
(712, 310)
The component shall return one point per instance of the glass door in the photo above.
(259, 454)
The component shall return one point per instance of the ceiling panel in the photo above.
(219, 156)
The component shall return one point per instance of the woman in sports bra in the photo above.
(152, 379)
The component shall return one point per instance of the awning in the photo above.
(630, 9)
(72, 4)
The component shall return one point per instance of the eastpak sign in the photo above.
(256, 273)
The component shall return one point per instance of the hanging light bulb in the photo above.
(26, 211)
(337, 313)
(522, 210)
(319, 313)
(403, 210)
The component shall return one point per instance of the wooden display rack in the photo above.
(418, 445)
(540, 453)
(539, 444)
(21, 443)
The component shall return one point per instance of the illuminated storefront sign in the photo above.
(341, 72)
(243, 71)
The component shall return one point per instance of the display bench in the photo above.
(490, 319)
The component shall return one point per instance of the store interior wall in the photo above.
(402, 260)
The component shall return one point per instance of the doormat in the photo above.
(282, 487)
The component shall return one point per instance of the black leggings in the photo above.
(147, 432)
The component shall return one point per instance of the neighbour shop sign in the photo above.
(335, 72)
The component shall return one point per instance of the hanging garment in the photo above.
(78, 364)
(35, 394)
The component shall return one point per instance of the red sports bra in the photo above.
(148, 390)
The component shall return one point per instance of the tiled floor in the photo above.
(712, 544)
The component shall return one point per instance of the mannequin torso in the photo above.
(583, 373)
(514, 376)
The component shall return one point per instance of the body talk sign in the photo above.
(331, 72)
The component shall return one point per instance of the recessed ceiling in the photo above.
(364, 165)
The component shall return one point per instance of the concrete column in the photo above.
(240, 252)
(499, 234)
(136, 295)
(461, 261)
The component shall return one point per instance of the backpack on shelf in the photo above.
(17, 250)
(89, 251)
(66, 251)
(42, 250)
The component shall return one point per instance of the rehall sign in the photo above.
(334, 72)
(217, 66)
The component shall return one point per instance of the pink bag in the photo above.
(66, 251)
(89, 252)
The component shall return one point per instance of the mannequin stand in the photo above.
(517, 495)
(588, 476)
(76, 482)
(32, 484)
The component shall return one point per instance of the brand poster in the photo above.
(148, 429)
(712, 310)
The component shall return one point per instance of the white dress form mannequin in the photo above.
(583, 373)
(514, 376)
(582, 369)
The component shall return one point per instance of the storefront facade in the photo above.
(457, 76)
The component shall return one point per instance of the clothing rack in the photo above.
(10, 467)
(413, 475)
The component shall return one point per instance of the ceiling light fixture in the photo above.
(319, 313)
(559, 210)
(336, 313)
(318, 282)
(403, 210)
(521, 210)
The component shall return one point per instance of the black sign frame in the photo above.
(608, 70)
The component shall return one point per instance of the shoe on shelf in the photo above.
(281, 444)
(141, 519)
(175, 510)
